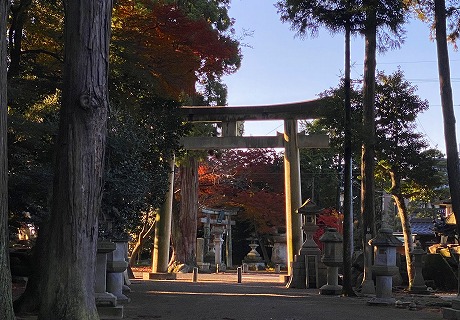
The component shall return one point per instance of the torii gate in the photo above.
(291, 141)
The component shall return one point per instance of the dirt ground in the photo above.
(260, 297)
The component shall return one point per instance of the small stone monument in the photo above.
(384, 268)
(253, 260)
(418, 285)
(332, 257)
(279, 250)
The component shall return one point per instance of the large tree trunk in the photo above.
(348, 198)
(448, 112)
(368, 147)
(6, 300)
(67, 286)
(185, 220)
(405, 223)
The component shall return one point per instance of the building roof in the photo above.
(422, 226)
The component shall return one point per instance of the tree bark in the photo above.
(185, 221)
(19, 13)
(405, 223)
(67, 286)
(448, 113)
(368, 147)
(348, 198)
(6, 300)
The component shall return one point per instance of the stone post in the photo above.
(218, 246)
(367, 286)
(228, 242)
(418, 285)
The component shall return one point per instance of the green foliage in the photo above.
(321, 169)
(30, 144)
(424, 10)
(139, 148)
(307, 17)
(400, 149)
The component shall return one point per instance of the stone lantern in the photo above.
(384, 268)
(332, 257)
(310, 254)
(309, 210)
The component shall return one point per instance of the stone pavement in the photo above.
(259, 297)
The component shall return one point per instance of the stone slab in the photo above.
(451, 314)
(158, 276)
(110, 312)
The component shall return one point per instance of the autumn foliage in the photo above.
(174, 48)
(327, 218)
(251, 180)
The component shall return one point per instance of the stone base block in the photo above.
(381, 301)
(451, 314)
(330, 290)
(110, 312)
(419, 290)
(368, 287)
(105, 299)
(121, 298)
(204, 266)
(158, 276)
(284, 278)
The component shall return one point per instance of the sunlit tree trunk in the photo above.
(6, 300)
(67, 286)
(448, 112)
(405, 223)
(147, 229)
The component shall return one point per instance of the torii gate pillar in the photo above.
(292, 191)
(160, 256)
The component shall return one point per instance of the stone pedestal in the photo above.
(279, 251)
(253, 260)
(116, 265)
(106, 302)
(103, 298)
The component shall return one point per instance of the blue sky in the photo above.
(279, 67)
